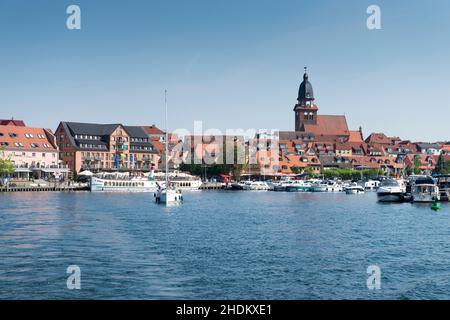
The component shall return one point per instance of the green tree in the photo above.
(417, 164)
(310, 172)
(442, 166)
(6, 166)
(295, 170)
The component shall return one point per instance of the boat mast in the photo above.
(166, 142)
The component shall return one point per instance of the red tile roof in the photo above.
(424, 164)
(381, 138)
(355, 136)
(25, 137)
(12, 122)
(328, 126)
(153, 130)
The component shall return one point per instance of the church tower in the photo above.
(305, 110)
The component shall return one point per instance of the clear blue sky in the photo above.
(230, 63)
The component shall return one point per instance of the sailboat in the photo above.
(167, 194)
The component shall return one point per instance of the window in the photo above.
(13, 135)
(34, 145)
(1, 134)
(4, 144)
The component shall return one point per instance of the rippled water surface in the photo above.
(221, 245)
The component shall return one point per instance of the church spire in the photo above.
(305, 110)
(305, 92)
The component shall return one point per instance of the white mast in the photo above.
(167, 143)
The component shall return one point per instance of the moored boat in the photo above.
(444, 186)
(255, 186)
(334, 186)
(425, 190)
(371, 185)
(354, 188)
(298, 186)
(391, 191)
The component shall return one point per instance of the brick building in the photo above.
(105, 147)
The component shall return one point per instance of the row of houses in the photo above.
(74, 147)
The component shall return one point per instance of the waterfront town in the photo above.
(318, 145)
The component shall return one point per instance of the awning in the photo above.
(21, 170)
(52, 170)
(86, 173)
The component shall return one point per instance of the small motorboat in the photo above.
(298, 186)
(354, 188)
(391, 191)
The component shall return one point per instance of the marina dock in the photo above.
(44, 188)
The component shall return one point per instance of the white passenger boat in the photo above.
(425, 190)
(122, 183)
(180, 180)
(354, 188)
(391, 191)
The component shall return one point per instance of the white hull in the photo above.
(169, 196)
(255, 186)
(354, 190)
(425, 193)
(425, 197)
(108, 185)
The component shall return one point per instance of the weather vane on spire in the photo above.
(305, 68)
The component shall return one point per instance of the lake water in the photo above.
(221, 245)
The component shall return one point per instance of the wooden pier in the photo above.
(44, 189)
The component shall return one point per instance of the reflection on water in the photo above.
(229, 245)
